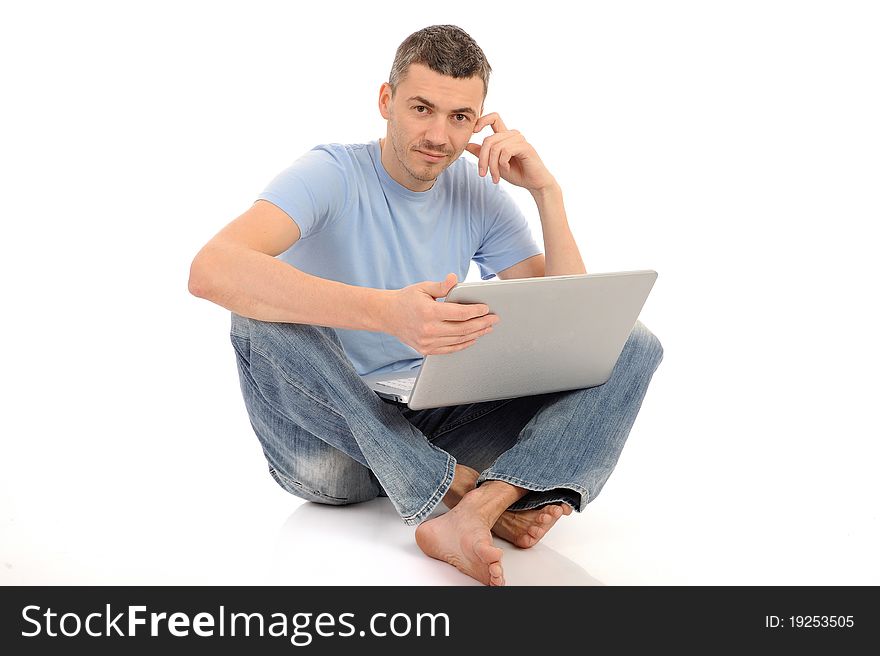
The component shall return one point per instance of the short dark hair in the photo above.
(445, 49)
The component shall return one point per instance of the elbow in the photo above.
(198, 278)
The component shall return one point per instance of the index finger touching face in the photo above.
(493, 119)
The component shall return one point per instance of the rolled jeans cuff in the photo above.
(539, 495)
(422, 513)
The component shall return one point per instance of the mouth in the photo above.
(431, 157)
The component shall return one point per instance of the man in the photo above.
(333, 272)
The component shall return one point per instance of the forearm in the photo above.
(259, 286)
(561, 253)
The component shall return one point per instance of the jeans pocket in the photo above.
(242, 346)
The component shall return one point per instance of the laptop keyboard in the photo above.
(400, 383)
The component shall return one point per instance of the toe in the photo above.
(487, 552)
(496, 574)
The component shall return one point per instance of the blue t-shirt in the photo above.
(360, 227)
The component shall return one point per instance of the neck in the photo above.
(393, 171)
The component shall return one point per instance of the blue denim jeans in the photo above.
(329, 438)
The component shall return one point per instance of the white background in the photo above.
(731, 146)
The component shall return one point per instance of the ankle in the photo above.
(464, 480)
(492, 498)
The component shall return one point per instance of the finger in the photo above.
(491, 150)
(465, 328)
(450, 311)
(458, 338)
(492, 119)
(504, 156)
(473, 149)
(483, 159)
(451, 349)
(499, 151)
(504, 162)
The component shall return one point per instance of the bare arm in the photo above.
(506, 154)
(237, 270)
(562, 254)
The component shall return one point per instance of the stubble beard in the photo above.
(402, 153)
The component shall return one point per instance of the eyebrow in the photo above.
(428, 103)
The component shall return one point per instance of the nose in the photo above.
(436, 138)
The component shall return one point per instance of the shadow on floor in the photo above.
(368, 544)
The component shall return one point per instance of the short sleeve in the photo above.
(507, 238)
(313, 191)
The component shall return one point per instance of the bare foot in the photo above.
(523, 528)
(463, 539)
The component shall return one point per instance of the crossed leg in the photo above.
(594, 421)
(589, 426)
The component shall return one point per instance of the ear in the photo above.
(385, 100)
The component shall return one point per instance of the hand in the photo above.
(506, 154)
(418, 320)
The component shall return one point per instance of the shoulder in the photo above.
(343, 155)
(463, 170)
(464, 179)
(331, 164)
(463, 175)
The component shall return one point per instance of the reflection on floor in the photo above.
(368, 544)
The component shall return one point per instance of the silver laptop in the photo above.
(556, 333)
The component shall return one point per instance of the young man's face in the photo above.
(431, 114)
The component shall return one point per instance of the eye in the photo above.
(464, 118)
(420, 107)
